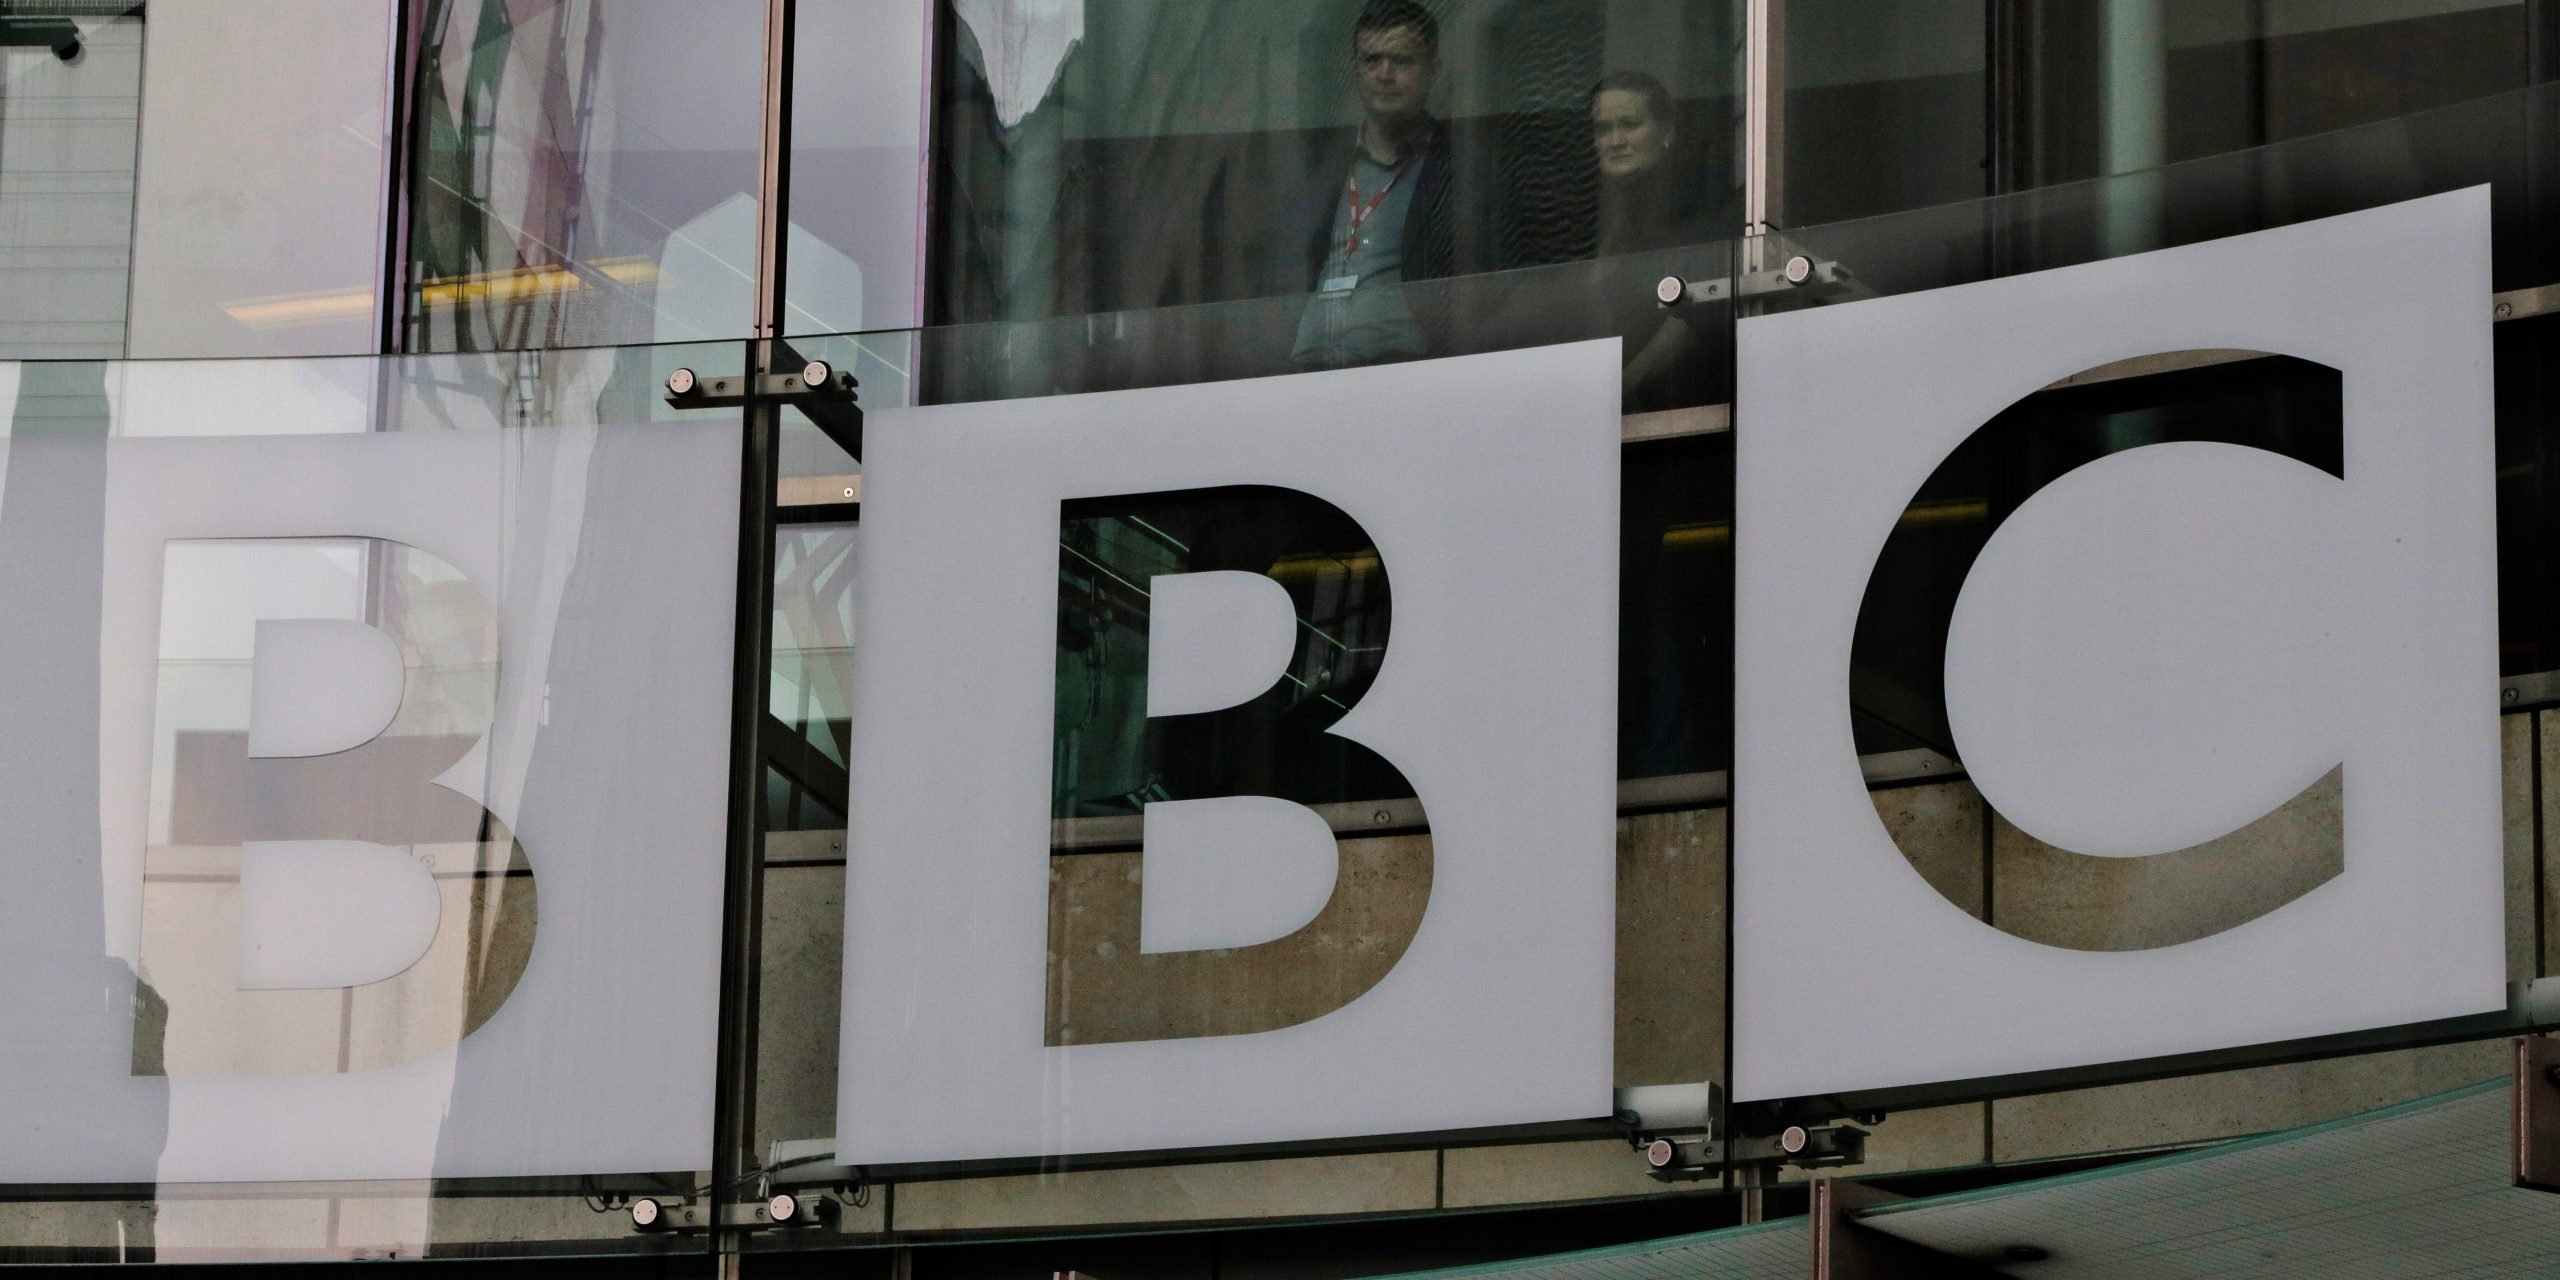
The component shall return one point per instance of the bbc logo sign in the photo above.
(338, 707)
(2151, 655)
(1489, 485)
(2157, 657)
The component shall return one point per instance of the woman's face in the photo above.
(1625, 134)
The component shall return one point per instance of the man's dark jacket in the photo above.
(1430, 224)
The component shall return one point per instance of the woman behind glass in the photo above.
(1646, 201)
(1649, 201)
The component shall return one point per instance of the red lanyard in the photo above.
(1360, 216)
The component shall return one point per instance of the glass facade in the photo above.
(340, 258)
(293, 942)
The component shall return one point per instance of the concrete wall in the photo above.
(1671, 993)
(1671, 999)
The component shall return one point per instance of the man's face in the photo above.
(1394, 69)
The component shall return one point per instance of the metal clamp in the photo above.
(782, 1209)
(816, 380)
(821, 392)
(1798, 274)
(1796, 1146)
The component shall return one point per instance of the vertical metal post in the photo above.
(2536, 1103)
(2134, 70)
(773, 194)
(408, 38)
(734, 1158)
(1764, 115)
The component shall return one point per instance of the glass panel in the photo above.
(170, 206)
(70, 92)
(2484, 141)
(1129, 154)
(584, 173)
(2236, 76)
(1675, 710)
(2499, 140)
(1883, 107)
(1677, 491)
(357, 878)
(857, 166)
(1923, 102)
(812, 676)
(258, 218)
(1675, 659)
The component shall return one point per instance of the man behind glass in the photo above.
(1385, 193)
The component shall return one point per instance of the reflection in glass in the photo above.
(316, 645)
(1884, 107)
(1110, 155)
(1111, 758)
(812, 677)
(857, 166)
(585, 173)
(71, 96)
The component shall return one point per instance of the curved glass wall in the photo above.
(510, 589)
(1673, 1001)
(1126, 154)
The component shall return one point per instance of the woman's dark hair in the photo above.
(1390, 15)
(1657, 99)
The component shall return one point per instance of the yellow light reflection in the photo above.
(518, 284)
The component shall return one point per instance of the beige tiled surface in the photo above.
(2549, 722)
(1103, 990)
(871, 1217)
(190, 956)
(1671, 994)
(2066, 899)
(220, 1229)
(457, 1220)
(483, 943)
(798, 1003)
(2515, 742)
(1474, 1177)
(1671, 947)
(1314, 1186)
(1939, 827)
(1912, 1142)
(2230, 1104)
(190, 952)
(74, 1224)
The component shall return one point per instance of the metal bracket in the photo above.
(825, 395)
(61, 35)
(1696, 1159)
(1798, 274)
(783, 1209)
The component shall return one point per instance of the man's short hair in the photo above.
(1391, 15)
(1657, 98)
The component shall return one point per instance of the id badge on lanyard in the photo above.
(1360, 215)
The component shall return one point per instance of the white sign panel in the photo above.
(365, 793)
(1489, 486)
(2156, 650)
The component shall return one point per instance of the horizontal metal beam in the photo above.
(2519, 304)
(2531, 1007)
